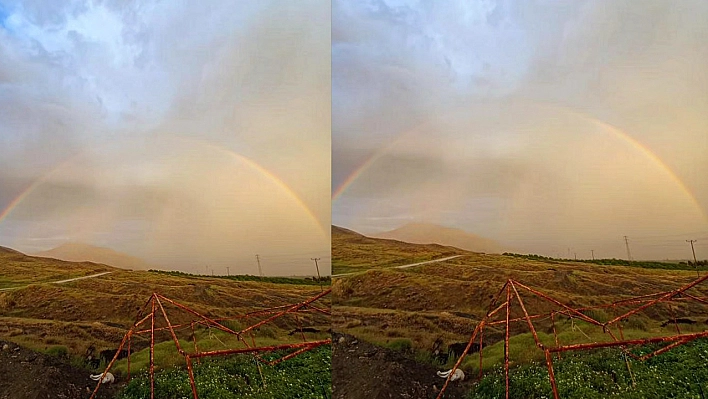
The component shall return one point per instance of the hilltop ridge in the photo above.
(81, 252)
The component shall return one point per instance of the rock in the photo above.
(6, 348)
(342, 340)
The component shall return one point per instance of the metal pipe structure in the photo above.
(637, 304)
(158, 310)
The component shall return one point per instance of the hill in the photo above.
(427, 233)
(80, 252)
(353, 252)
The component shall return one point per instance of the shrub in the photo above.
(59, 351)
(401, 345)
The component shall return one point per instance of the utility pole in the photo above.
(575, 254)
(629, 254)
(695, 262)
(592, 251)
(228, 272)
(318, 272)
(260, 271)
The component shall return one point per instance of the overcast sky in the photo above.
(550, 126)
(187, 135)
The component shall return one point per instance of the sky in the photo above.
(553, 127)
(193, 137)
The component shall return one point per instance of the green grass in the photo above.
(307, 376)
(679, 373)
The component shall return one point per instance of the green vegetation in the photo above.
(59, 351)
(306, 376)
(326, 280)
(702, 264)
(679, 373)
(401, 345)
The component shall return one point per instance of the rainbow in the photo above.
(252, 164)
(263, 171)
(610, 129)
(27, 191)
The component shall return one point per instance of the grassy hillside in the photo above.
(353, 252)
(97, 311)
(415, 306)
(19, 269)
(80, 252)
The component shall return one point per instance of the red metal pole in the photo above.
(555, 334)
(673, 316)
(129, 339)
(551, 374)
(289, 310)
(564, 306)
(115, 357)
(291, 355)
(194, 340)
(299, 326)
(506, 341)
(192, 383)
(261, 349)
(481, 340)
(152, 349)
(528, 319)
(662, 350)
(459, 361)
(682, 337)
(664, 297)
(169, 326)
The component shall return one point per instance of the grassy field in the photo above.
(413, 307)
(679, 373)
(66, 319)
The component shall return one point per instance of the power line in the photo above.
(318, 272)
(695, 262)
(260, 271)
(626, 243)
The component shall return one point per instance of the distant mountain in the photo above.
(7, 250)
(427, 233)
(79, 252)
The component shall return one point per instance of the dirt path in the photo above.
(58, 282)
(364, 371)
(25, 374)
(405, 266)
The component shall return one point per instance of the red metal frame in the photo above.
(274, 313)
(639, 304)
